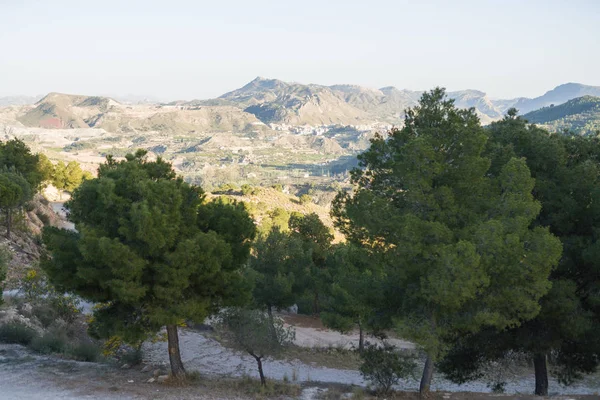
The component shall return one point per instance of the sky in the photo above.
(197, 49)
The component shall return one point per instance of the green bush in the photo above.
(66, 307)
(16, 332)
(29, 206)
(50, 342)
(85, 351)
(306, 199)
(383, 367)
(132, 357)
(248, 190)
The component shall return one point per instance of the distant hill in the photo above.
(264, 104)
(580, 115)
(58, 110)
(556, 96)
(275, 101)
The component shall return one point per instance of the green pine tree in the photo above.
(456, 239)
(151, 250)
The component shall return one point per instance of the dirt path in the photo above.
(28, 376)
(202, 353)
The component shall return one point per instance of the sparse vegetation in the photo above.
(384, 366)
(258, 334)
(17, 332)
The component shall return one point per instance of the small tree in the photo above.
(354, 274)
(15, 191)
(253, 332)
(68, 177)
(384, 366)
(17, 157)
(316, 239)
(5, 257)
(273, 265)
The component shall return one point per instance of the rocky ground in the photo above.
(201, 352)
(28, 376)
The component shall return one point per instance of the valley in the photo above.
(265, 133)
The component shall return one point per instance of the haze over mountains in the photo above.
(271, 101)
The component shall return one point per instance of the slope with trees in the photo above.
(580, 116)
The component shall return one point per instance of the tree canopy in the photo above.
(15, 191)
(15, 156)
(567, 174)
(150, 249)
(455, 234)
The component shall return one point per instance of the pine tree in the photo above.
(456, 239)
(567, 174)
(151, 250)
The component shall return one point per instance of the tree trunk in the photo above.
(541, 374)
(272, 322)
(427, 375)
(263, 381)
(177, 369)
(8, 223)
(361, 338)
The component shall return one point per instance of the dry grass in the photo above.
(251, 388)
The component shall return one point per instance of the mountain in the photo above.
(580, 115)
(58, 110)
(556, 96)
(272, 101)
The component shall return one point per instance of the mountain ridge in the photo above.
(273, 101)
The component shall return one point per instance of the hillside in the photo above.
(580, 115)
(57, 110)
(556, 96)
(272, 101)
(266, 132)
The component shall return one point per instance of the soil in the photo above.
(29, 376)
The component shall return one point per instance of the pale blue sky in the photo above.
(184, 49)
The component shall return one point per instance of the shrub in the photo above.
(65, 306)
(16, 332)
(45, 314)
(132, 357)
(50, 342)
(247, 190)
(383, 367)
(30, 206)
(85, 351)
(306, 199)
